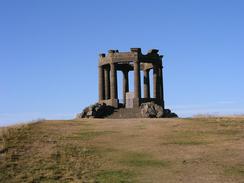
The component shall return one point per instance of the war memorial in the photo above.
(133, 104)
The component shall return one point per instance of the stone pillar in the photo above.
(146, 84)
(137, 84)
(107, 83)
(101, 83)
(161, 87)
(155, 82)
(113, 80)
(125, 84)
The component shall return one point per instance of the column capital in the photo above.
(146, 70)
(125, 71)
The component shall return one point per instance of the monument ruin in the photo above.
(133, 103)
(127, 62)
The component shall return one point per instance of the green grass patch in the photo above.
(231, 123)
(237, 170)
(88, 135)
(142, 160)
(231, 132)
(114, 176)
(186, 138)
(185, 142)
(64, 161)
(75, 151)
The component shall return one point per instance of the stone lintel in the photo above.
(123, 57)
(124, 67)
(111, 51)
(137, 50)
(150, 58)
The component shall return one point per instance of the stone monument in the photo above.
(126, 62)
(134, 104)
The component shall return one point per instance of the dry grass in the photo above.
(138, 150)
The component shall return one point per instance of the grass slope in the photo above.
(136, 150)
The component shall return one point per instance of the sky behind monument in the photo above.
(49, 53)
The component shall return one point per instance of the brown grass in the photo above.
(136, 150)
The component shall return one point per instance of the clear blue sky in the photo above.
(49, 50)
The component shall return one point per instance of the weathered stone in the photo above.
(160, 114)
(96, 111)
(148, 110)
(158, 108)
(152, 110)
(169, 114)
(89, 113)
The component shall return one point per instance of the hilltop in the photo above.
(131, 150)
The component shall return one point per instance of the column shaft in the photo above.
(125, 85)
(161, 85)
(137, 80)
(113, 84)
(155, 82)
(100, 83)
(107, 83)
(146, 84)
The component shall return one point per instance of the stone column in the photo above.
(101, 83)
(146, 84)
(161, 88)
(125, 84)
(107, 83)
(137, 84)
(137, 80)
(113, 84)
(155, 82)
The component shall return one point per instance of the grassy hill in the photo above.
(135, 150)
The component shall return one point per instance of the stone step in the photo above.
(125, 113)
